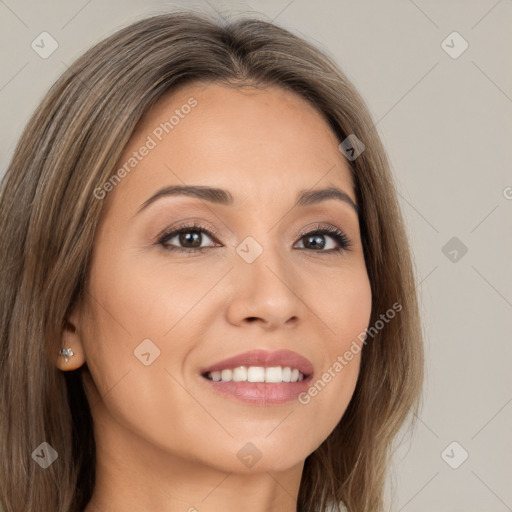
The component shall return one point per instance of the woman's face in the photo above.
(157, 314)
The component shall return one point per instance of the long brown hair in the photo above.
(48, 216)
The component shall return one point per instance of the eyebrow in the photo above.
(224, 197)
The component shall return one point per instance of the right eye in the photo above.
(191, 234)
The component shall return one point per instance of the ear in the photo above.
(71, 339)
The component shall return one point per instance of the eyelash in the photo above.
(344, 242)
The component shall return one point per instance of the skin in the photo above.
(165, 440)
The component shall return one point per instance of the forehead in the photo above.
(252, 141)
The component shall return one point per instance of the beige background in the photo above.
(447, 127)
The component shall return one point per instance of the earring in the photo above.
(67, 353)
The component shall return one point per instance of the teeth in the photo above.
(240, 374)
(215, 376)
(272, 374)
(226, 375)
(256, 374)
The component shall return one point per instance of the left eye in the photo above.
(190, 238)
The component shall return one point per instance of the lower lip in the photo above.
(260, 393)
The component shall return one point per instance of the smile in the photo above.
(272, 374)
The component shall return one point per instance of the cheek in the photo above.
(136, 309)
(150, 296)
(343, 301)
(128, 310)
(344, 306)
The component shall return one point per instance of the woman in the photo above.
(208, 300)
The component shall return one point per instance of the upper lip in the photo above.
(264, 358)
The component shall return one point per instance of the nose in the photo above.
(266, 291)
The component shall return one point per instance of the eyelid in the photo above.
(339, 235)
(335, 232)
(187, 224)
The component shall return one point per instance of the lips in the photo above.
(264, 358)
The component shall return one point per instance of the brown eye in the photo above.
(316, 240)
(189, 238)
